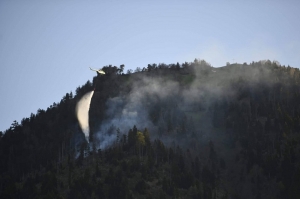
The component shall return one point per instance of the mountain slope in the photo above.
(180, 130)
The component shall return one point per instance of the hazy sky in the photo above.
(46, 47)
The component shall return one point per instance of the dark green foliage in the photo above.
(8, 187)
(208, 177)
(237, 137)
(141, 187)
(49, 184)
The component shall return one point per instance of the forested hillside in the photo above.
(164, 131)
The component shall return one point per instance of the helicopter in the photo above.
(99, 71)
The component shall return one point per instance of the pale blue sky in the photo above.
(46, 47)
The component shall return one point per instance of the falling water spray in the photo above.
(82, 113)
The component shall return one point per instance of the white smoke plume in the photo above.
(176, 104)
(123, 112)
(82, 113)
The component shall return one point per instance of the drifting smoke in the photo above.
(122, 115)
(177, 106)
(82, 113)
(133, 109)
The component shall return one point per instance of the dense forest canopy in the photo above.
(163, 131)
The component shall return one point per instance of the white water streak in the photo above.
(82, 113)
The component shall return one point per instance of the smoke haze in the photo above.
(176, 106)
(82, 113)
